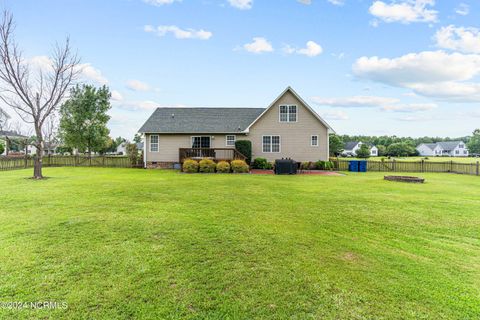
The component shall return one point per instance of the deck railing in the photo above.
(216, 154)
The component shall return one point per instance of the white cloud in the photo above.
(410, 107)
(355, 101)
(405, 11)
(160, 2)
(179, 33)
(87, 71)
(137, 85)
(241, 4)
(307, 2)
(91, 73)
(139, 105)
(459, 39)
(335, 115)
(463, 9)
(434, 74)
(116, 96)
(312, 49)
(383, 103)
(259, 45)
(337, 2)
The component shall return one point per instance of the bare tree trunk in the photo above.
(38, 162)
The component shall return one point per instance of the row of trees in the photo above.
(397, 146)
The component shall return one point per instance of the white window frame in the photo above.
(155, 143)
(271, 143)
(288, 113)
(234, 140)
(311, 140)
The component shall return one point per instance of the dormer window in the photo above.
(288, 113)
(461, 146)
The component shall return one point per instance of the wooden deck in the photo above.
(217, 154)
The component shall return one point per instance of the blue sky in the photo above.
(405, 67)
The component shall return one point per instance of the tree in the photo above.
(474, 143)
(3, 120)
(363, 152)
(34, 96)
(245, 148)
(2, 147)
(137, 138)
(83, 118)
(400, 149)
(132, 153)
(382, 150)
(336, 145)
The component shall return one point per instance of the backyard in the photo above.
(131, 243)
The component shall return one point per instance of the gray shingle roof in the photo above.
(350, 145)
(449, 145)
(200, 120)
(431, 145)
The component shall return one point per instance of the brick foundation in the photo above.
(160, 165)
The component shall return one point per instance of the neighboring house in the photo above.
(7, 136)
(122, 148)
(288, 128)
(351, 148)
(445, 148)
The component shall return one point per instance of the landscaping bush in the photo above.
(320, 165)
(260, 163)
(363, 152)
(223, 167)
(245, 148)
(2, 148)
(207, 166)
(308, 165)
(190, 166)
(324, 165)
(239, 166)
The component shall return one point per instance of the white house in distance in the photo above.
(352, 147)
(445, 148)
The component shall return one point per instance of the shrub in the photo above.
(363, 152)
(260, 163)
(207, 166)
(305, 165)
(245, 148)
(132, 153)
(320, 165)
(269, 166)
(329, 165)
(190, 166)
(223, 167)
(239, 166)
(2, 148)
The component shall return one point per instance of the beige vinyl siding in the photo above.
(295, 137)
(170, 143)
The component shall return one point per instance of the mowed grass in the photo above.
(430, 159)
(146, 244)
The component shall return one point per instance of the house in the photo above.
(444, 148)
(6, 139)
(287, 128)
(122, 148)
(351, 148)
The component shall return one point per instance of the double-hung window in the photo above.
(314, 141)
(271, 144)
(154, 143)
(230, 140)
(288, 113)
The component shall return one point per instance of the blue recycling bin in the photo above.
(353, 165)
(362, 166)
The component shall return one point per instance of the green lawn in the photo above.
(130, 243)
(432, 159)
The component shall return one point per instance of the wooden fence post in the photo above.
(423, 166)
(478, 167)
(451, 165)
(25, 161)
(394, 166)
